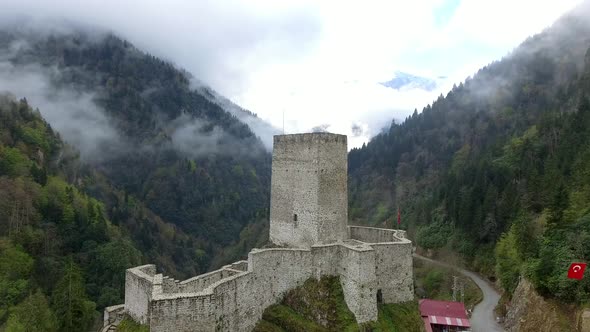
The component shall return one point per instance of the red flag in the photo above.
(576, 271)
(399, 217)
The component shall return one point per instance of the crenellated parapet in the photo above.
(309, 195)
(234, 297)
(308, 219)
(376, 235)
(309, 138)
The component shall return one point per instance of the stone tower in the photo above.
(309, 197)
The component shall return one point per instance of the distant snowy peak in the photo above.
(407, 81)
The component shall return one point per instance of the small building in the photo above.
(444, 316)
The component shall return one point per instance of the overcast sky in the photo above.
(318, 62)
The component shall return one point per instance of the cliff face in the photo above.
(528, 311)
(584, 321)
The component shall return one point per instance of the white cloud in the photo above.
(318, 61)
(364, 43)
(73, 114)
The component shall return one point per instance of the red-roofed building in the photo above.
(444, 316)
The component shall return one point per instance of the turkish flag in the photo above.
(399, 217)
(576, 271)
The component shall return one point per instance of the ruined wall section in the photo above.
(393, 261)
(327, 260)
(235, 303)
(183, 312)
(332, 215)
(357, 277)
(234, 297)
(201, 282)
(138, 292)
(393, 271)
(375, 235)
(239, 265)
(308, 202)
(294, 184)
(274, 272)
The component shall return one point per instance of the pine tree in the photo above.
(33, 314)
(70, 302)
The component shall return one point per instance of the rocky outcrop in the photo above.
(585, 321)
(528, 311)
(112, 317)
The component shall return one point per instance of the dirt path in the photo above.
(482, 318)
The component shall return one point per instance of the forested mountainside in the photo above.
(498, 169)
(61, 255)
(169, 146)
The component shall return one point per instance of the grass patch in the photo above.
(129, 325)
(266, 326)
(318, 305)
(399, 317)
(286, 319)
(322, 301)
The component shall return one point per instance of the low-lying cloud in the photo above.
(263, 129)
(197, 137)
(296, 56)
(73, 114)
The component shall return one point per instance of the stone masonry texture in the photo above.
(309, 200)
(308, 220)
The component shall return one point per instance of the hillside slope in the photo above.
(141, 125)
(319, 306)
(62, 255)
(497, 169)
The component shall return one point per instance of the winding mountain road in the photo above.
(482, 318)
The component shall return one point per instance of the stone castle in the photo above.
(308, 228)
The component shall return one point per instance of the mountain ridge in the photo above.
(494, 169)
(407, 81)
(202, 168)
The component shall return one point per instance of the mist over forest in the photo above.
(113, 157)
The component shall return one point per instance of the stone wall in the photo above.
(199, 283)
(393, 271)
(308, 212)
(183, 312)
(113, 314)
(358, 280)
(327, 260)
(240, 266)
(393, 261)
(309, 202)
(375, 235)
(237, 302)
(138, 292)
(230, 299)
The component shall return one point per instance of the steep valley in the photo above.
(111, 158)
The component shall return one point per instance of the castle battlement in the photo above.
(311, 138)
(309, 214)
(233, 299)
(309, 193)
